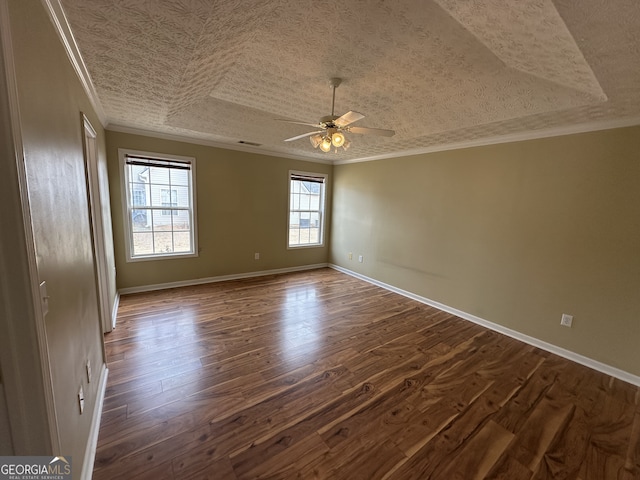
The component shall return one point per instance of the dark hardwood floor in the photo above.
(318, 375)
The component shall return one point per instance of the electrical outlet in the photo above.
(566, 320)
(360, 258)
(256, 256)
(81, 399)
(88, 371)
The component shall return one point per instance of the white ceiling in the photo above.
(441, 73)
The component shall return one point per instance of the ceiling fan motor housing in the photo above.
(328, 120)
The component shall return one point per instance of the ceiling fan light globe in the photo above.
(325, 146)
(315, 140)
(338, 139)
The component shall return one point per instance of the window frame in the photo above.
(321, 209)
(127, 207)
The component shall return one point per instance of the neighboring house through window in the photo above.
(169, 199)
(159, 205)
(306, 209)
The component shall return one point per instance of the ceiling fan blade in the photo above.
(372, 131)
(348, 118)
(298, 123)
(297, 137)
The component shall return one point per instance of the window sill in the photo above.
(295, 247)
(168, 256)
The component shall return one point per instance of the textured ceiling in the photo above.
(439, 73)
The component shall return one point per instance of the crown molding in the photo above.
(480, 142)
(210, 143)
(510, 138)
(62, 28)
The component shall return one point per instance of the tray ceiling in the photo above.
(440, 73)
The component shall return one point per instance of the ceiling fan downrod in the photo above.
(334, 83)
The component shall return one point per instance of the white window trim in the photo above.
(128, 233)
(322, 208)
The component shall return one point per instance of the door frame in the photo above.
(24, 352)
(90, 149)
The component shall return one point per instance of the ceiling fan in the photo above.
(332, 128)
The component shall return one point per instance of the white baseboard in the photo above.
(114, 311)
(221, 278)
(92, 442)
(575, 357)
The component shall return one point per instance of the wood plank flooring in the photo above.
(318, 375)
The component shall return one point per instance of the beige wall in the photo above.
(241, 209)
(516, 234)
(6, 445)
(50, 101)
(13, 298)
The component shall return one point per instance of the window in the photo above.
(306, 209)
(159, 205)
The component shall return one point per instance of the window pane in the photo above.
(138, 173)
(314, 202)
(181, 220)
(304, 236)
(139, 194)
(180, 196)
(179, 177)
(142, 243)
(161, 222)
(140, 220)
(314, 227)
(163, 242)
(159, 175)
(304, 200)
(294, 236)
(181, 241)
(304, 219)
